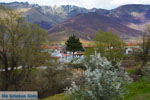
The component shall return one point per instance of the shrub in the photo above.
(58, 79)
(103, 81)
(76, 66)
(48, 81)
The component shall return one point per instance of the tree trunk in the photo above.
(73, 54)
(6, 73)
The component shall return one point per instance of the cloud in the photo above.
(107, 4)
(123, 2)
(81, 3)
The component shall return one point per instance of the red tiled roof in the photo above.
(53, 47)
(45, 46)
(49, 47)
(56, 57)
(131, 44)
(80, 53)
(59, 49)
(65, 54)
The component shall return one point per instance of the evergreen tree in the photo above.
(73, 44)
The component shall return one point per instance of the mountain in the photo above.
(135, 16)
(86, 26)
(126, 21)
(46, 16)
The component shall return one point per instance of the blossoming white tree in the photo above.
(103, 82)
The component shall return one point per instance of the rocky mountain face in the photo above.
(127, 21)
(46, 16)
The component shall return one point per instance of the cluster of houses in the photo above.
(59, 53)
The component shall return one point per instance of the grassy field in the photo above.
(55, 97)
(84, 42)
(135, 91)
(138, 90)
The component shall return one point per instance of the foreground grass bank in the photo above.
(135, 91)
(55, 97)
(138, 90)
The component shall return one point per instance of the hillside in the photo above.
(87, 25)
(135, 16)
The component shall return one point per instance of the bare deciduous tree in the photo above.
(20, 49)
(146, 46)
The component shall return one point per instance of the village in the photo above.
(61, 55)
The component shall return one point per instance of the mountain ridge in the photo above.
(131, 19)
(46, 15)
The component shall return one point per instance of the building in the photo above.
(60, 55)
(130, 47)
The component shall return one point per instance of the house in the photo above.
(128, 51)
(60, 55)
(130, 47)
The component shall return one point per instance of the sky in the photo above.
(105, 4)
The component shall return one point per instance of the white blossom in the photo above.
(103, 82)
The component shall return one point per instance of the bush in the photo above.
(48, 81)
(103, 81)
(58, 79)
(76, 66)
(146, 71)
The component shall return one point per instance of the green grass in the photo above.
(135, 91)
(33, 70)
(131, 71)
(55, 97)
(138, 90)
